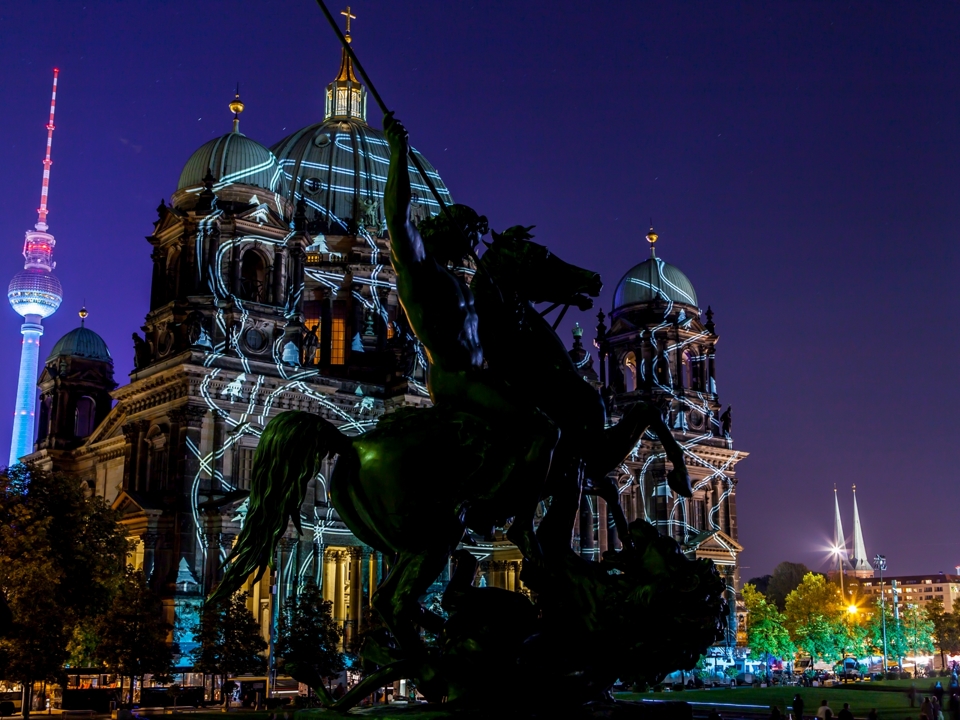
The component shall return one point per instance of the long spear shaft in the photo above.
(383, 106)
(413, 156)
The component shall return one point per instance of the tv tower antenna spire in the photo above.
(47, 162)
(34, 293)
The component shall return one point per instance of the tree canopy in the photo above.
(766, 630)
(786, 577)
(307, 638)
(62, 557)
(814, 613)
(229, 639)
(132, 634)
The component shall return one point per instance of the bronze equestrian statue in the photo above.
(507, 401)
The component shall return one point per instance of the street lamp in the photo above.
(880, 564)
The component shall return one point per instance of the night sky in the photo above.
(800, 162)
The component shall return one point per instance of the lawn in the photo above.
(889, 705)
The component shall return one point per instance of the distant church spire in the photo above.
(860, 562)
(346, 97)
(839, 542)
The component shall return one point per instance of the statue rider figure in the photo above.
(439, 307)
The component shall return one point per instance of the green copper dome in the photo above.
(654, 280)
(339, 167)
(81, 342)
(233, 158)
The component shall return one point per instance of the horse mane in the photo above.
(289, 454)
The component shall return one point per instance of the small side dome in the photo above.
(233, 158)
(81, 342)
(654, 280)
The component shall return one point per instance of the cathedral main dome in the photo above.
(339, 166)
(233, 158)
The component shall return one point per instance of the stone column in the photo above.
(373, 574)
(329, 575)
(355, 613)
(150, 540)
(286, 573)
(211, 540)
(587, 542)
(339, 606)
(602, 545)
(279, 274)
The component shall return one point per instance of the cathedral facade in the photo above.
(272, 290)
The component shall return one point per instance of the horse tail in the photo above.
(289, 454)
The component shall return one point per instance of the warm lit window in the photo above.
(338, 335)
(311, 323)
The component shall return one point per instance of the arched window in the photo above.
(630, 372)
(686, 371)
(43, 428)
(84, 417)
(253, 277)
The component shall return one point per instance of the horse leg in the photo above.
(526, 483)
(604, 488)
(564, 487)
(397, 599)
(619, 440)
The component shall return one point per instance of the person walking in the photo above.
(798, 707)
(845, 713)
(926, 708)
(823, 710)
(954, 705)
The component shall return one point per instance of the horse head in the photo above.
(531, 272)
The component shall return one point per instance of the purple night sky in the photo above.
(801, 162)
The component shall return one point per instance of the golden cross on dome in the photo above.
(349, 18)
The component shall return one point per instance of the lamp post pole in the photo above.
(880, 563)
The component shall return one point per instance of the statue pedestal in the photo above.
(593, 711)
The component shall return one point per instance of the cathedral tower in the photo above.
(34, 293)
(660, 349)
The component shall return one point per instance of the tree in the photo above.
(762, 583)
(814, 617)
(917, 629)
(230, 641)
(61, 558)
(784, 580)
(133, 634)
(946, 629)
(307, 639)
(766, 632)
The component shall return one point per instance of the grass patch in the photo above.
(889, 705)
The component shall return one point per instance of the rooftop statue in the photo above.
(521, 426)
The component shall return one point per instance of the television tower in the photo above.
(34, 293)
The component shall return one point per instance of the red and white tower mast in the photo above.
(34, 293)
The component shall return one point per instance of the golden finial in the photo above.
(236, 107)
(83, 315)
(652, 239)
(349, 18)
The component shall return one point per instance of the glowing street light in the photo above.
(852, 609)
(880, 564)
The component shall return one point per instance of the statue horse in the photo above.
(405, 488)
(515, 335)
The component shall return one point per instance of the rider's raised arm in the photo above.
(406, 247)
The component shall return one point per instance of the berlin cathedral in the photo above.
(272, 290)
